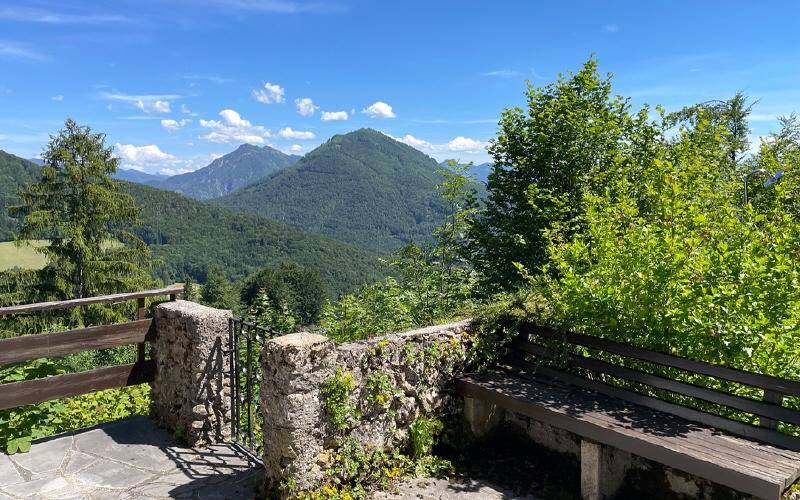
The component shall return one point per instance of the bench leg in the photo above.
(481, 416)
(603, 469)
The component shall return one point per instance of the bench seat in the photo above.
(745, 465)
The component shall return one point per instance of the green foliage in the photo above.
(565, 144)
(278, 318)
(190, 237)
(429, 285)
(79, 208)
(677, 264)
(239, 168)
(422, 436)
(336, 391)
(105, 406)
(218, 291)
(363, 188)
(379, 391)
(300, 289)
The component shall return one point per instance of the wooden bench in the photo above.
(620, 398)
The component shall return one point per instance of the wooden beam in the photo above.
(74, 384)
(28, 347)
(784, 386)
(103, 299)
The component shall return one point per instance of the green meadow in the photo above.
(24, 256)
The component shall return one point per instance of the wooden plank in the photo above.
(759, 408)
(784, 386)
(774, 398)
(733, 426)
(73, 384)
(627, 439)
(17, 349)
(103, 299)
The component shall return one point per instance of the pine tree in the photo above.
(81, 210)
(218, 291)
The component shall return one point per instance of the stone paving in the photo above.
(441, 489)
(130, 458)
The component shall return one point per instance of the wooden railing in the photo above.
(29, 347)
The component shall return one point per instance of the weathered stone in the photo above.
(52, 455)
(603, 470)
(418, 365)
(189, 395)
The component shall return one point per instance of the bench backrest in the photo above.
(662, 381)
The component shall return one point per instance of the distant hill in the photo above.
(15, 172)
(480, 172)
(362, 187)
(190, 236)
(130, 175)
(227, 173)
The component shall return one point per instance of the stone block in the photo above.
(603, 470)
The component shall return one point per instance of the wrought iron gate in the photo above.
(246, 340)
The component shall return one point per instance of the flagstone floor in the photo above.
(130, 458)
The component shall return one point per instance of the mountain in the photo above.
(15, 172)
(480, 172)
(227, 173)
(363, 187)
(130, 175)
(190, 236)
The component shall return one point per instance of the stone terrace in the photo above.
(130, 458)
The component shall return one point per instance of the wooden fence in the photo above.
(29, 347)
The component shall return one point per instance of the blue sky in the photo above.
(175, 83)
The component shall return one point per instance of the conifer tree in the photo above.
(80, 209)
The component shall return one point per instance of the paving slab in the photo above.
(127, 459)
(425, 488)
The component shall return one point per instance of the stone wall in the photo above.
(191, 394)
(392, 381)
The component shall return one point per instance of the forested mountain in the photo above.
(362, 187)
(227, 173)
(191, 236)
(14, 173)
(479, 172)
(130, 175)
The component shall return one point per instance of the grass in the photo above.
(25, 257)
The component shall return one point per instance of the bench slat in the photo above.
(644, 432)
(762, 434)
(759, 408)
(776, 384)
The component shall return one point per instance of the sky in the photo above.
(177, 83)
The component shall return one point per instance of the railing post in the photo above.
(141, 312)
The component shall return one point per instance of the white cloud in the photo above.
(466, 144)
(460, 144)
(57, 98)
(288, 133)
(305, 106)
(20, 51)
(279, 6)
(379, 110)
(270, 94)
(332, 116)
(503, 73)
(233, 129)
(22, 14)
(141, 157)
(296, 148)
(175, 125)
(610, 28)
(149, 103)
(186, 111)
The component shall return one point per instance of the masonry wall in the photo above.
(414, 369)
(191, 391)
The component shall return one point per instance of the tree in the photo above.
(218, 291)
(569, 141)
(301, 289)
(80, 209)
